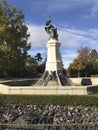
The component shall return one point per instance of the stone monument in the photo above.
(53, 80)
(54, 62)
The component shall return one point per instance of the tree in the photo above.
(38, 57)
(84, 56)
(94, 61)
(31, 66)
(76, 67)
(71, 72)
(93, 55)
(86, 62)
(84, 53)
(13, 40)
(41, 65)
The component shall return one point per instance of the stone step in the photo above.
(52, 83)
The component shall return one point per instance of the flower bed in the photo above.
(56, 113)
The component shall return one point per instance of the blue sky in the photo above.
(76, 21)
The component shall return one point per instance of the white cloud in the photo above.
(38, 36)
(73, 37)
(34, 51)
(94, 33)
(68, 38)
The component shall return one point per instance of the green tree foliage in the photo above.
(38, 57)
(85, 64)
(32, 66)
(93, 55)
(94, 61)
(13, 40)
(41, 65)
(78, 65)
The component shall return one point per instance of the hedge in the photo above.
(50, 99)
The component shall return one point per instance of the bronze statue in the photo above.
(51, 30)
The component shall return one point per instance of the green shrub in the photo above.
(50, 99)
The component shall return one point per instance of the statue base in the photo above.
(54, 62)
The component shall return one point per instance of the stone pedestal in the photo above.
(54, 62)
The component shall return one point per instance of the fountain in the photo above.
(53, 74)
(53, 81)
